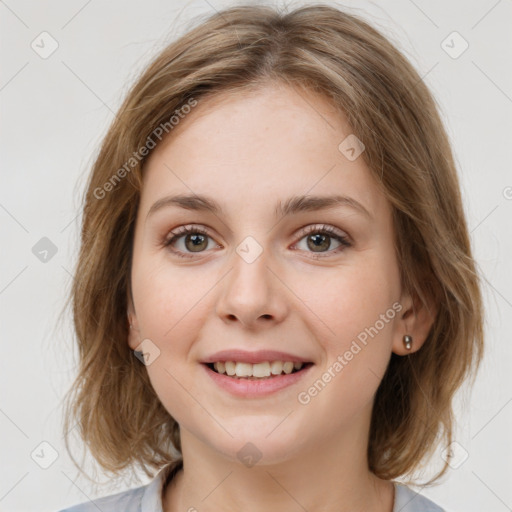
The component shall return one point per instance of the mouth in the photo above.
(266, 370)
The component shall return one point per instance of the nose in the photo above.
(252, 294)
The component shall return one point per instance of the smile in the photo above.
(255, 380)
(261, 370)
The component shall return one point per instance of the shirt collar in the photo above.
(151, 500)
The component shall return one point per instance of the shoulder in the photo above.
(126, 501)
(145, 498)
(407, 500)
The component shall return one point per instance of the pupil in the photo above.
(197, 240)
(318, 238)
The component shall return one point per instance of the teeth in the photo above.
(230, 367)
(276, 367)
(259, 370)
(288, 367)
(243, 369)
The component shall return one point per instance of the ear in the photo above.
(133, 327)
(416, 320)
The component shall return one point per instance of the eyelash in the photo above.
(324, 230)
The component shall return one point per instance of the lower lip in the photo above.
(255, 388)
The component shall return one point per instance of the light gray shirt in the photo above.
(148, 498)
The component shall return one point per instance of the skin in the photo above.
(248, 151)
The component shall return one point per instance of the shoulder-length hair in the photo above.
(390, 109)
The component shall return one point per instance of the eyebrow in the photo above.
(293, 205)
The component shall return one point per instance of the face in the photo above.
(263, 273)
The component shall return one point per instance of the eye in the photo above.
(319, 240)
(195, 240)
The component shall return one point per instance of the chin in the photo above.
(256, 440)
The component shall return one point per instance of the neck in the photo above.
(324, 479)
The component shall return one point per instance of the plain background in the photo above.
(54, 112)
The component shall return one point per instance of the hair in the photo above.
(316, 48)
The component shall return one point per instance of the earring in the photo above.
(408, 341)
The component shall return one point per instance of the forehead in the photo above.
(258, 146)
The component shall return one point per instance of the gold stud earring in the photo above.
(408, 341)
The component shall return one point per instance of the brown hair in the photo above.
(322, 49)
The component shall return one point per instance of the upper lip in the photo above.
(259, 356)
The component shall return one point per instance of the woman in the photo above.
(275, 299)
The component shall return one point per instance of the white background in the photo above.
(54, 113)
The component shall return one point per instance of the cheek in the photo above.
(169, 311)
(166, 299)
(354, 321)
(354, 303)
